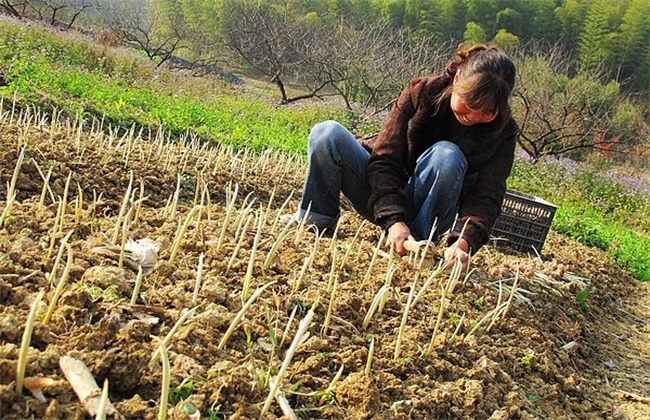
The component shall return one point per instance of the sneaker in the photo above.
(288, 218)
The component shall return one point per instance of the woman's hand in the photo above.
(397, 234)
(459, 251)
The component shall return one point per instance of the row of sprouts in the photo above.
(242, 218)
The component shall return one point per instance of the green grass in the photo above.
(56, 71)
(593, 208)
(75, 77)
(630, 249)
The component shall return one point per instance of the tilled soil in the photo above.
(572, 342)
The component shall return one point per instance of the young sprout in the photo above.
(46, 186)
(389, 278)
(246, 209)
(445, 291)
(197, 283)
(208, 204)
(11, 190)
(351, 245)
(243, 214)
(335, 235)
(240, 241)
(330, 306)
(92, 211)
(181, 232)
(125, 232)
(201, 193)
(373, 259)
(125, 202)
(24, 344)
(59, 255)
(489, 315)
(280, 212)
(371, 353)
(138, 284)
(268, 207)
(303, 220)
(297, 340)
(170, 334)
(60, 216)
(251, 261)
(402, 325)
(513, 291)
(175, 196)
(329, 391)
(460, 323)
(286, 329)
(59, 287)
(166, 380)
(306, 264)
(494, 319)
(77, 140)
(103, 402)
(270, 257)
(78, 211)
(229, 209)
(138, 205)
(332, 274)
(374, 305)
(240, 314)
(436, 273)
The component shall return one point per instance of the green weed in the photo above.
(581, 298)
(181, 392)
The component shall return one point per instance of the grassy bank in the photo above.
(595, 207)
(55, 71)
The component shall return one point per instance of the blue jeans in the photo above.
(338, 163)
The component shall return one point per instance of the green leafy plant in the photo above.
(181, 392)
(478, 303)
(528, 358)
(534, 398)
(581, 298)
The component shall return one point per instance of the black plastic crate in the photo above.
(524, 222)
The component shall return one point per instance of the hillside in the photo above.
(572, 343)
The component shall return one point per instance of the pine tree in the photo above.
(571, 16)
(633, 44)
(593, 46)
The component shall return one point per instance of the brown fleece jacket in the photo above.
(413, 126)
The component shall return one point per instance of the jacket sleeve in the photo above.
(481, 204)
(387, 174)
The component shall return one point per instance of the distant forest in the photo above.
(611, 36)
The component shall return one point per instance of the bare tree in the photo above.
(369, 64)
(560, 113)
(392, 58)
(15, 8)
(60, 12)
(269, 39)
(365, 64)
(151, 29)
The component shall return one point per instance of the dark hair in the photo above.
(487, 79)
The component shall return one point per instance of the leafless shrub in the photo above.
(561, 113)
